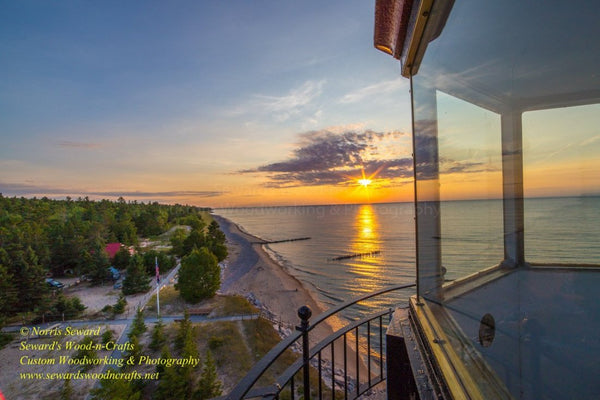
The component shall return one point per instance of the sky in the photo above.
(244, 103)
(209, 103)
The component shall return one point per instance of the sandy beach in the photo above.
(251, 273)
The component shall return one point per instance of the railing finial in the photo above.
(304, 313)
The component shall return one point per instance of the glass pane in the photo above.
(562, 185)
(490, 100)
(470, 156)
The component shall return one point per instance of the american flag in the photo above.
(157, 272)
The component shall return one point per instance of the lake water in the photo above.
(563, 230)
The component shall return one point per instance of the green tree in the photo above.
(135, 352)
(8, 294)
(195, 221)
(189, 349)
(97, 262)
(165, 262)
(107, 336)
(123, 228)
(219, 250)
(116, 389)
(199, 276)
(119, 307)
(165, 354)
(195, 239)
(215, 233)
(67, 307)
(216, 241)
(136, 280)
(138, 326)
(86, 352)
(177, 382)
(209, 385)
(152, 220)
(66, 243)
(121, 259)
(158, 336)
(185, 330)
(29, 279)
(177, 242)
(172, 385)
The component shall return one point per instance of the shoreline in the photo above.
(252, 272)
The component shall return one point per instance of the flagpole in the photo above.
(157, 287)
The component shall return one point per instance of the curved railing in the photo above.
(351, 387)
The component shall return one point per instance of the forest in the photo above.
(42, 238)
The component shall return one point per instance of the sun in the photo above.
(364, 182)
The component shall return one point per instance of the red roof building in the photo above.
(112, 249)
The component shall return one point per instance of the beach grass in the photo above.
(228, 346)
(206, 217)
(171, 303)
(262, 337)
(234, 305)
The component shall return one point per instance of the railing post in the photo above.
(305, 313)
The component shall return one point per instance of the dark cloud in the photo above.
(326, 158)
(429, 163)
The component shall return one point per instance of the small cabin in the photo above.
(506, 129)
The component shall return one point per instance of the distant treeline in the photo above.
(42, 237)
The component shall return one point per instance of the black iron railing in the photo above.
(336, 380)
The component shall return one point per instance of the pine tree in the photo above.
(196, 239)
(158, 336)
(107, 336)
(181, 380)
(209, 385)
(116, 389)
(136, 280)
(172, 384)
(184, 327)
(96, 262)
(119, 307)
(83, 353)
(136, 350)
(8, 294)
(165, 354)
(138, 326)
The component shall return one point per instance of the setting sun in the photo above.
(364, 182)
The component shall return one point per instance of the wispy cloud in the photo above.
(376, 89)
(24, 189)
(591, 140)
(78, 145)
(326, 158)
(285, 106)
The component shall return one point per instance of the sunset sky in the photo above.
(241, 103)
(222, 103)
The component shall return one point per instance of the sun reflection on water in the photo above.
(366, 234)
(365, 245)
